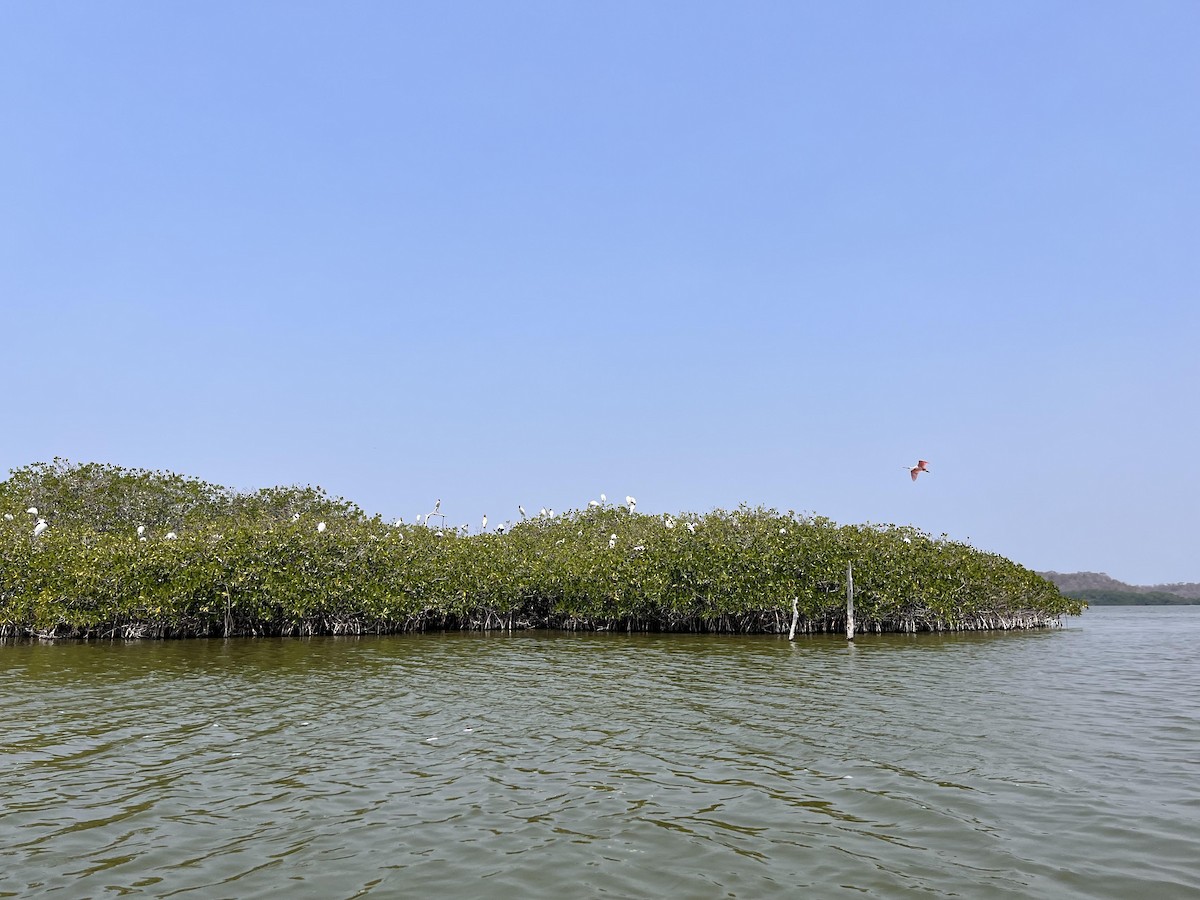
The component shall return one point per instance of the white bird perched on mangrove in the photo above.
(397, 523)
(295, 517)
(500, 528)
(543, 513)
(603, 499)
(670, 522)
(521, 510)
(691, 527)
(631, 503)
(32, 511)
(320, 527)
(171, 535)
(39, 527)
(438, 534)
(921, 466)
(141, 529)
(612, 542)
(483, 527)
(8, 516)
(594, 503)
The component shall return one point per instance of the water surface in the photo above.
(1058, 763)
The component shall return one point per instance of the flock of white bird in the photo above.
(40, 525)
(464, 529)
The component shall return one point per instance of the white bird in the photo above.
(631, 503)
(483, 527)
(39, 527)
(320, 527)
(670, 522)
(783, 531)
(397, 523)
(437, 507)
(500, 528)
(543, 513)
(8, 517)
(640, 547)
(32, 511)
(549, 514)
(593, 503)
(295, 517)
(603, 499)
(171, 535)
(692, 527)
(612, 542)
(438, 534)
(521, 510)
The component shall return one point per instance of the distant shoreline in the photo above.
(1097, 589)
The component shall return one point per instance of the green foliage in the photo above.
(1104, 597)
(257, 564)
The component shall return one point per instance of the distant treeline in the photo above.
(96, 550)
(1101, 590)
(1098, 597)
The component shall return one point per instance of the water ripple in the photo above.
(546, 765)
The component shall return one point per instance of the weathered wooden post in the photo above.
(795, 619)
(849, 601)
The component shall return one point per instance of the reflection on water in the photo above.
(1053, 763)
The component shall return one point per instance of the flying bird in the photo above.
(916, 470)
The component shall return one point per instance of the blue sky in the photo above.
(701, 253)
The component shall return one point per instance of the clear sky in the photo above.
(701, 253)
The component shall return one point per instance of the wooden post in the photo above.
(849, 601)
(795, 618)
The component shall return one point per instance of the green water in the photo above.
(1062, 763)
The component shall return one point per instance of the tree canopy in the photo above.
(209, 560)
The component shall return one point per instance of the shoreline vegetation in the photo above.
(1098, 589)
(212, 562)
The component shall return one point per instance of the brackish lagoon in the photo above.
(1048, 763)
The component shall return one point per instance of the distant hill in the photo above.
(1100, 590)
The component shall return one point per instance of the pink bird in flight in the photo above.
(921, 466)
